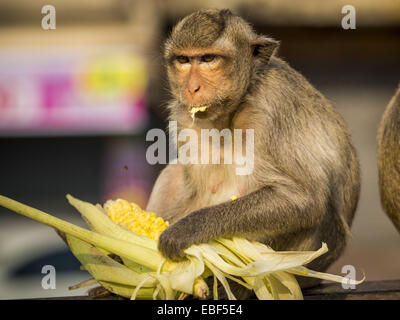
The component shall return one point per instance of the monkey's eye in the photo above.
(208, 58)
(182, 59)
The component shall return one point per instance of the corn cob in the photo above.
(132, 217)
(268, 273)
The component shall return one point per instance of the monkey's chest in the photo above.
(214, 184)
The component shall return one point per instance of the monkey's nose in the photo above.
(193, 89)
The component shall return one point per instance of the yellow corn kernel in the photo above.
(132, 217)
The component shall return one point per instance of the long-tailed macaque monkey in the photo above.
(389, 159)
(304, 187)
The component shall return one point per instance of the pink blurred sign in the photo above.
(81, 90)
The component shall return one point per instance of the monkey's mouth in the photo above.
(193, 109)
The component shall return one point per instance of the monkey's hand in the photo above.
(179, 236)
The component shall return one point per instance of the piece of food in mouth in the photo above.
(193, 110)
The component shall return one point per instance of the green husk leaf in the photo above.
(290, 282)
(126, 290)
(305, 272)
(102, 267)
(220, 276)
(261, 290)
(135, 252)
(100, 222)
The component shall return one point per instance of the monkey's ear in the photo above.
(263, 48)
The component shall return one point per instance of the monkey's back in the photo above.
(311, 142)
(389, 159)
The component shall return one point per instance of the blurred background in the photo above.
(76, 103)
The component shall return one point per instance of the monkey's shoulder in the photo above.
(283, 95)
(280, 80)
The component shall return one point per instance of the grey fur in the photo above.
(389, 159)
(305, 185)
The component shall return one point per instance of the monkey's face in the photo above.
(203, 77)
(210, 56)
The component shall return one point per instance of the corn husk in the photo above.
(145, 274)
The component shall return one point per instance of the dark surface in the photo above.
(370, 290)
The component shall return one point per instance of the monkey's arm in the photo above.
(269, 211)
